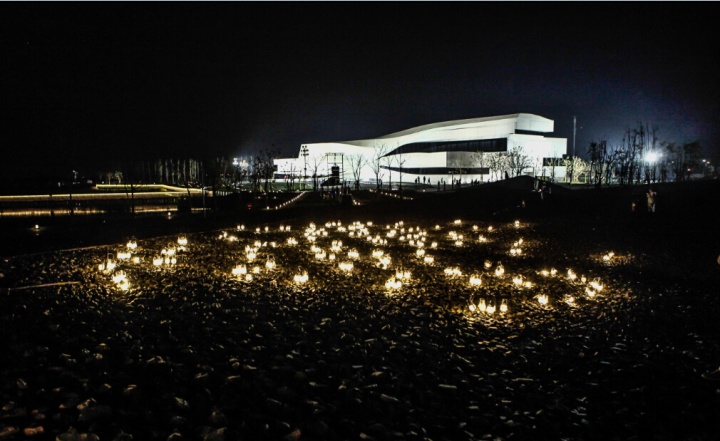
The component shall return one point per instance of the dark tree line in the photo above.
(642, 158)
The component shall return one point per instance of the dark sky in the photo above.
(88, 86)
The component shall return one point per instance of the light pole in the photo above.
(572, 169)
(304, 153)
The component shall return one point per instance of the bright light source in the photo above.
(652, 156)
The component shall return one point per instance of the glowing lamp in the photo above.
(499, 270)
(393, 283)
(475, 281)
(124, 284)
(239, 270)
(571, 275)
(182, 241)
(300, 279)
(543, 299)
(119, 277)
(453, 272)
(503, 306)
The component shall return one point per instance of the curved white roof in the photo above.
(524, 121)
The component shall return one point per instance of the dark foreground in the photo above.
(192, 352)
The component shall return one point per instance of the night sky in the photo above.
(92, 86)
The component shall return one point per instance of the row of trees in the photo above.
(641, 157)
(221, 174)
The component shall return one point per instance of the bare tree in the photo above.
(380, 150)
(478, 160)
(290, 176)
(598, 153)
(315, 168)
(517, 160)
(497, 163)
(356, 162)
(263, 169)
(578, 166)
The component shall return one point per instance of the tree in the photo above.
(379, 152)
(478, 159)
(356, 162)
(692, 152)
(290, 176)
(598, 153)
(497, 163)
(578, 165)
(263, 169)
(517, 160)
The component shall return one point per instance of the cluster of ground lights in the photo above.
(490, 270)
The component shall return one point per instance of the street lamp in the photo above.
(304, 153)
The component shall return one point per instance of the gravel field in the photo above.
(396, 349)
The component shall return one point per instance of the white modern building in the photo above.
(481, 149)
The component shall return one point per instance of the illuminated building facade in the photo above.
(476, 149)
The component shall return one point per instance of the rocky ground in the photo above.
(194, 351)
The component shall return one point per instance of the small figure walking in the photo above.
(651, 200)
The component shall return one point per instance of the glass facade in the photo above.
(477, 145)
(429, 171)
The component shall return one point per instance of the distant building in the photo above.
(468, 149)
